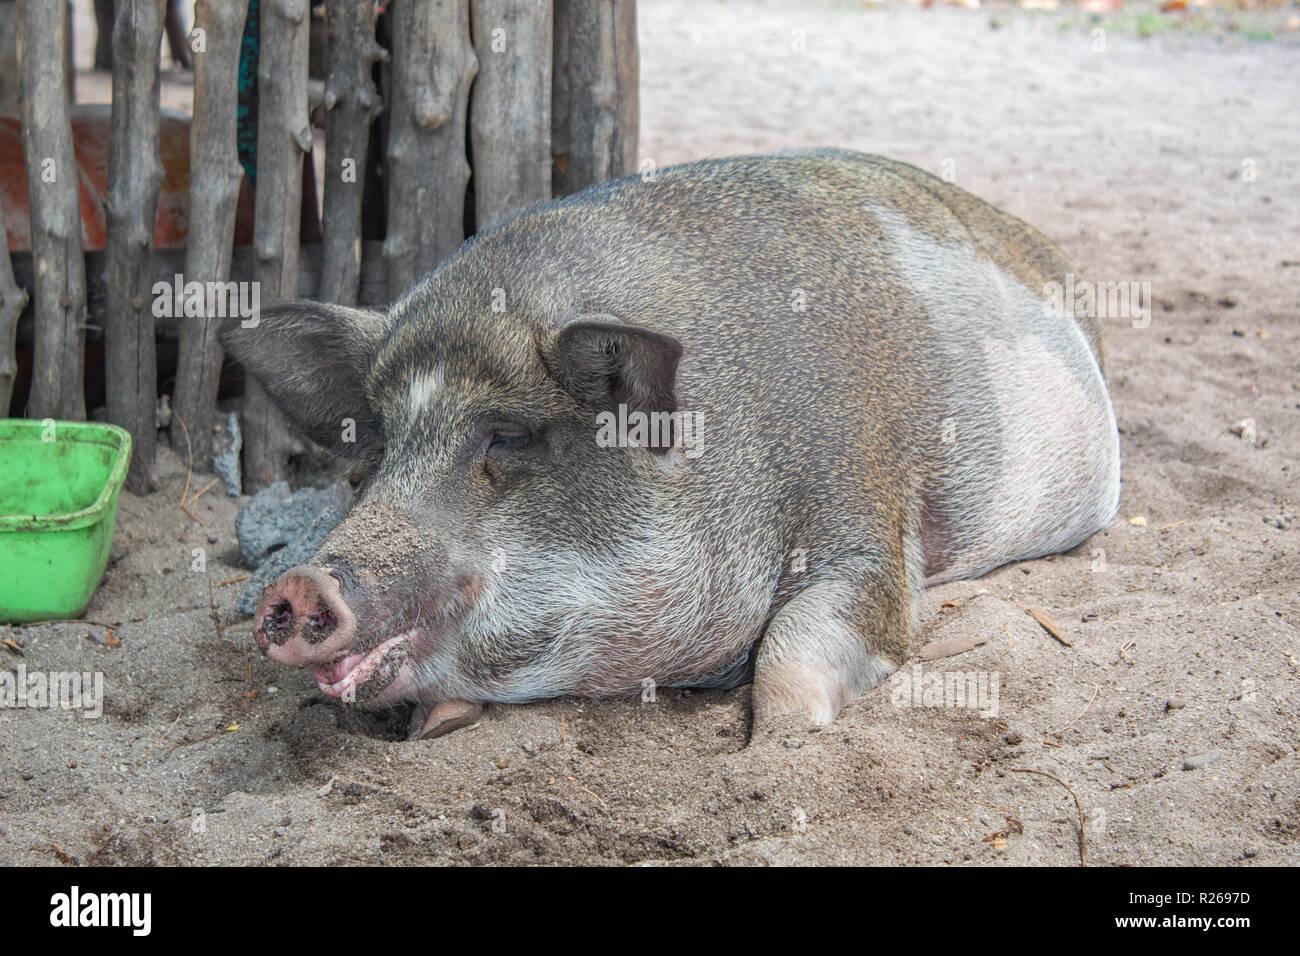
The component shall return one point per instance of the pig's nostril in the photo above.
(279, 618)
(322, 620)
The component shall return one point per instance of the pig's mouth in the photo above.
(366, 674)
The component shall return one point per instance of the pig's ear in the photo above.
(603, 362)
(313, 359)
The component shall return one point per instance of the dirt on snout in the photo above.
(1169, 158)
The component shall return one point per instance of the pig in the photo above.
(717, 425)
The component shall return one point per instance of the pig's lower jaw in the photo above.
(366, 675)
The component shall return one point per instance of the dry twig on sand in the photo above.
(1083, 841)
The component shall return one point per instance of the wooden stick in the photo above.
(351, 102)
(283, 135)
(135, 176)
(433, 67)
(215, 177)
(12, 300)
(1083, 842)
(510, 107)
(1047, 624)
(54, 202)
(595, 111)
(1095, 691)
(189, 469)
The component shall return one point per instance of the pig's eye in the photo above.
(505, 441)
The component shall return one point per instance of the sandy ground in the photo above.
(1184, 628)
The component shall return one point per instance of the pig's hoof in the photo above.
(442, 718)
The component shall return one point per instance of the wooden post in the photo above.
(351, 102)
(433, 67)
(215, 176)
(134, 178)
(9, 57)
(54, 203)
(283, 135)
(595, 111)
(510, 107)
(13, 298)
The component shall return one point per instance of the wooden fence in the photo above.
(530, 98)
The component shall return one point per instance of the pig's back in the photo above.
(860, 337)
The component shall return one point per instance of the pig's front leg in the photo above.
(839, 637)
(434, 718)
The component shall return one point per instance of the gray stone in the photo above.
(275, 519)
(225, 463)
(278, 530)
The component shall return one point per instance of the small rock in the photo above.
(501, 763)
(225, 463)
(792, 743)
(1200, 761)
(274, 518)
(1175, 703)
(327, 789)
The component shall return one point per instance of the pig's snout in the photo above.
(302, 618)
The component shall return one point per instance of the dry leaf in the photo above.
(13, 646)
(1047, 624)
(1138, 521)
(933, 652)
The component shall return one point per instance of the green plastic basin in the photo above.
(59, 483)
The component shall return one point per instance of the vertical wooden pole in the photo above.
(12, 299)
(351, 102)
(510, 107)
(215, 176)
(595, 113)
(54, 203)
(9, 57)
(283, 135)
(134, 179)
(433, 67)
